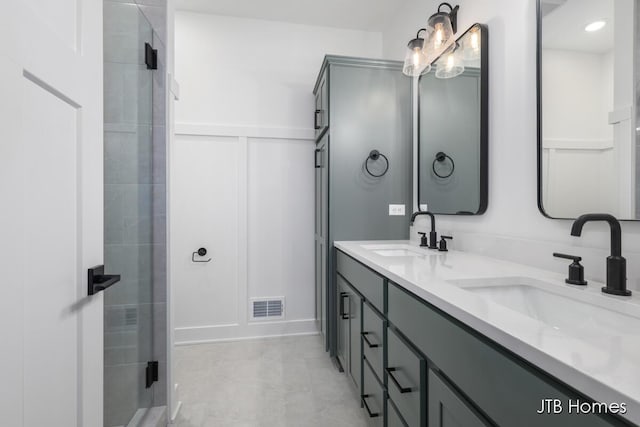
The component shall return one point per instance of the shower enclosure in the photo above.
(135, 389)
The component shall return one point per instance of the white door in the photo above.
(50, 212)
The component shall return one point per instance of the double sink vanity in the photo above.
(458, 339)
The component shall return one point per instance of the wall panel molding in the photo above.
(208, 129)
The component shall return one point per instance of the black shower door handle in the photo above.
(97, 281)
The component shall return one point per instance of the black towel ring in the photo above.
(375, 155)
(441, 157)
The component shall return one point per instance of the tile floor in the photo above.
(288, 381)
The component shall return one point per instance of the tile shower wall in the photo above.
(135, 208)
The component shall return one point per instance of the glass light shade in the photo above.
(471, 46)
(450, 63)
(440, 34)
(415, 61)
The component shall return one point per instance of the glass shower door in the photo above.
(128, 214)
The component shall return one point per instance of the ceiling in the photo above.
(564, 21)
(367, 15)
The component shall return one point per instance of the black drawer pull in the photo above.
(396, 382)
(369, 343)
(343, 314)
(366, 406)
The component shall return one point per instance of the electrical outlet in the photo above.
(396, 210)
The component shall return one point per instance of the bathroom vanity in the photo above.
(457, 339)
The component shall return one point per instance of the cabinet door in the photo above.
(318, 286)
(343, 322)
(447, 409)
(321, 114)
(321, 215)
(355, 350)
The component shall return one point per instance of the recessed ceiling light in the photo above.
(595, 26)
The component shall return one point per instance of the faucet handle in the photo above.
(443, 243)
(423, 240)
(576, 270)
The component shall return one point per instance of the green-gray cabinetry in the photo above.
(321, 227)
(349, 350)
(361, 105)
(438, 372)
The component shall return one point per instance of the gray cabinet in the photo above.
(422, 367)
(372, 396)
(349, 349)
(321, 238)
(321, 114)
(406, 379)
(361, 105)
(373, 339)
(344, 327)
(447, 409)
(354, 366)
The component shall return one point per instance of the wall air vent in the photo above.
(267, 308)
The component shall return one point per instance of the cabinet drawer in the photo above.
(373, 339)
(506, 389)
(372, 397)
(393, 417)
(406, 379)
(368, 283)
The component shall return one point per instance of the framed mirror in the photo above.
(453, 136)
(588, 146)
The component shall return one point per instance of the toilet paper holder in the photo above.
(200, 252)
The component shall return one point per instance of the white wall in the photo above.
(512, 217)
(242, 172)
(255, 73)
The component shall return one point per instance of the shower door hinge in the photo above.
(152, 373)
(150, 57)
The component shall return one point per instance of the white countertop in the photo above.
(605, 367)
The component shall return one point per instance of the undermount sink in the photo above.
(574, 311)
(395, 250)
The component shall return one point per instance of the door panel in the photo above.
(51, 224)
(50, 126)
(344, 297)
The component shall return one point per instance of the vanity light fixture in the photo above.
(416, 62)
(443, 26)
(451, 63)
(595, 26)
(440, 30)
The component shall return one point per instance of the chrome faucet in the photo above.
(616, 264)
(433, 236)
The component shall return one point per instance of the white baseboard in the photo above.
(204, 334)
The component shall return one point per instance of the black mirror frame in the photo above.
(539, 116)
(539, 108)
(484, 123)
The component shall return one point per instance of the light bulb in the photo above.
(475, 40)
(439, 36)
(416, 57)
(450, 62)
